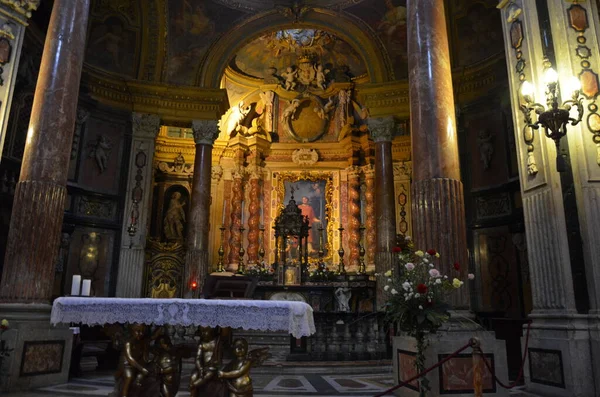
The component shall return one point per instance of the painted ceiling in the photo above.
(281, 49)
(168, 40)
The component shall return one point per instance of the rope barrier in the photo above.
(439, 363)
(456, 353)
(516, 382)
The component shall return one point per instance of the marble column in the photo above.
(437, 192)
(196, 260)
(382, 132)
(371, 236)
(13, 22)
(254, 212)
(145, 128)
(353, 218)
(36, 220)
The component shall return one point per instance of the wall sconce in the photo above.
(554, 117)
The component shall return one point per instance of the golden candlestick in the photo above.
(220, 267)
(341, 268)
(361, 252)
(241, 266)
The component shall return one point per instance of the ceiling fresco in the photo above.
(193, 25)
(281, 49)
(388, 19)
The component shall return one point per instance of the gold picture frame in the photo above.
(300, 180)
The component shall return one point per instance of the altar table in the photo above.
(262, 315)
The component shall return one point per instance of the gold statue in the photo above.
(237, 372)
(168, 366)
(134, 358)
(208, 360)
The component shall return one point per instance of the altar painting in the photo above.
(312, 193)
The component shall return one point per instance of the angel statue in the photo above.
(208, 360)
(290, 78)
(320, 76)
(237, 372)
(290, 111)
(100, 151)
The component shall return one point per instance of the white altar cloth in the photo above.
(261, 315)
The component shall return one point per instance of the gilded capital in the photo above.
(205, 131)
(145, 125)
(381, 128)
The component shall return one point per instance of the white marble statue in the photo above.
(342, 296)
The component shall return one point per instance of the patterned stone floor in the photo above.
(265, 385)
(269, 382)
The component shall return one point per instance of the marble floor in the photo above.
(268, 383)
(272, 382)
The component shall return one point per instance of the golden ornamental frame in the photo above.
(312, 176)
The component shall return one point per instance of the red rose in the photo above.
(457, 266)
(431, 252)
(397, 249)
(422, 289)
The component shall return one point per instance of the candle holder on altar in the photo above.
(241, 266)
(321, 251)
(261, 249)
(341, 268)
(361, 253)
(220, 267)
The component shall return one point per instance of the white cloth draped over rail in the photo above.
(261, 315)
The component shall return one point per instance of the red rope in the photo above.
(516, 382)
(439, 363)
(456, 353)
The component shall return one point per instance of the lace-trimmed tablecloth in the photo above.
(262, 315)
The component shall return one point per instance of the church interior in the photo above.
(279, 151)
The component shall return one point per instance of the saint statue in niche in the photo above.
(175, 218)
(100, 151)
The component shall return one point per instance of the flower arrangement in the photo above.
(320, 272)
(417, 296)
(262, 271)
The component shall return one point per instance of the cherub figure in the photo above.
(100, 151)
(320, 76)
(168, 366)
(290, 78)
(290, 110)
(237, 372)
(134, 359)
(208, 360)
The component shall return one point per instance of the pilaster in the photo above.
(145, 128)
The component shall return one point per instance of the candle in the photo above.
(242, 212)
(75, 285)
(86, 287)
(224, 211)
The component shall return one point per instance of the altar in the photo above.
(150, 363)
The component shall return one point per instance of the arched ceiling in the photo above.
(173, 41)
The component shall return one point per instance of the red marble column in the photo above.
(382, 132)
(353, 218)
(196, 261)
(371, 236)
(235, 239)
(437, 192)
(254, 216)
(36, 220)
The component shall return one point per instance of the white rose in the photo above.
(409, 266)
(471, 276)
(420, 307)
(394, 292)
(406, 286)
(437, 281)
(389, 280)
(417, 295)
(386, 288)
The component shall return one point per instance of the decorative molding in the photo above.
(178, 166)
(216, 173)
(493, 206)
(305, 156)
(22, 7)
(403, 169)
